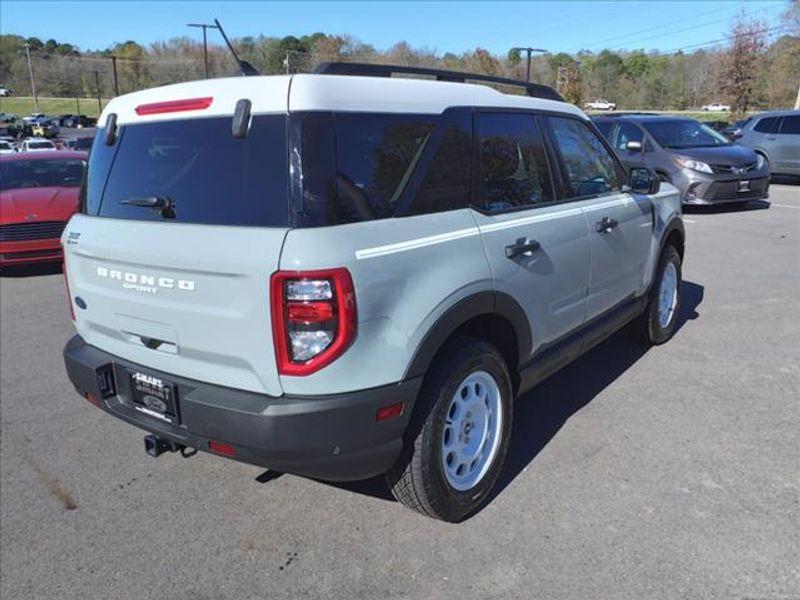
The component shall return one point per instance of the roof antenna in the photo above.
(244, 67)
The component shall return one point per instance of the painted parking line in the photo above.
(685, 220)
(785, 205)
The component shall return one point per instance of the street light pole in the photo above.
(114, 70)
(97, 87)
(205, 27)
(33, 83)
(529, 51)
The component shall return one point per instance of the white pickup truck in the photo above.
(600, 104)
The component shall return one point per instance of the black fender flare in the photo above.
(475, 305)
(676, 224)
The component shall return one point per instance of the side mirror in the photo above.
(634, 146)
(644, 181)
(737, 134)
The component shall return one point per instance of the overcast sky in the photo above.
(442, 26)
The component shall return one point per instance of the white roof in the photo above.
(293, 93)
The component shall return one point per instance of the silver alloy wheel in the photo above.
(472, 429)
(667, 295)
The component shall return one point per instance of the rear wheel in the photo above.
(459, 434)
(657, 323)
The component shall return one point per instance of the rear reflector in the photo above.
(169, 106)
(221, 448)
(66, 282)
(389, 412)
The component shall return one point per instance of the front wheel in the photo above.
(657, 323)
(459, 433)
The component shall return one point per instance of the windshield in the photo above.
(16, 174)
(5, 146)
(39, 145)
(684, 133)
(83, 143)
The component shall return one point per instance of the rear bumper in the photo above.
(30, 251)
(334, 437)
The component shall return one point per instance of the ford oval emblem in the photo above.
(80, 302)
(154, 403)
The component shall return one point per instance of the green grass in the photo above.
(22, 105)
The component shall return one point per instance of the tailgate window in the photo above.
(206, 174)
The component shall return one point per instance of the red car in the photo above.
(38, 194)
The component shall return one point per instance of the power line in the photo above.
(657, 27)
(728, 38)
(685, 29)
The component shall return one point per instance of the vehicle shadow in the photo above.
(540, 413)
(31, 270)
(733, 207)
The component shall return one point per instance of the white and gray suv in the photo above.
(343, 276)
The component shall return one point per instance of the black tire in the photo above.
(647, 327)
(418, 478)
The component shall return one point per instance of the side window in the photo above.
(589, 167)
(790, 125)
(447, 182)
(766, 125)
(605, 128)
(627, 132)
(376, 155)
(513, 165)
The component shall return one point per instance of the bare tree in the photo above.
(739, 73)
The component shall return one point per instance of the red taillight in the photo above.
(392, 411)
(313, 318)
(66, 282)
(155, 108)
(221, 448)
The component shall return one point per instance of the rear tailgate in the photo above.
(183, 225)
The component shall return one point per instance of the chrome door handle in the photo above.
(522, 246)
(605, 225)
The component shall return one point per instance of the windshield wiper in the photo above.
(163, 203)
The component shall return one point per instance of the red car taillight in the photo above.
(313, 318)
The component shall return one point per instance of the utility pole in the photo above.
(114, 71)
(205, 27)
(33, 83)
(529, 51)
(97, 85)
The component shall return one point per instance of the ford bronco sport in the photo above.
(342, 276)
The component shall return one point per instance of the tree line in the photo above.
(752, 68)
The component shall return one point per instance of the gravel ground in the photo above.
(666, 473)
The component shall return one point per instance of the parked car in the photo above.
(36, 144)
(38, 194)
(701, 163)
(4, 91)
(44, 128)
(80, 121)
(409, 302)
(34, 117)
(716, 107)
(7, 147)
(600, 104)
(6, 118)
(775, 136)
(63, 119)
(718, 126)
(79, 143)
(734, 130)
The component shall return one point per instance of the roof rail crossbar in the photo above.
(534, 90)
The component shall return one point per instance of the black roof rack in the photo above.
(535, 90)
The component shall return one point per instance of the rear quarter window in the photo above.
(209, 176)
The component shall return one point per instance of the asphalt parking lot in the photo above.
(667, 473)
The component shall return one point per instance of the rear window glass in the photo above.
(766, 125)
(203, 172)
(17, 174)
(790, 125)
